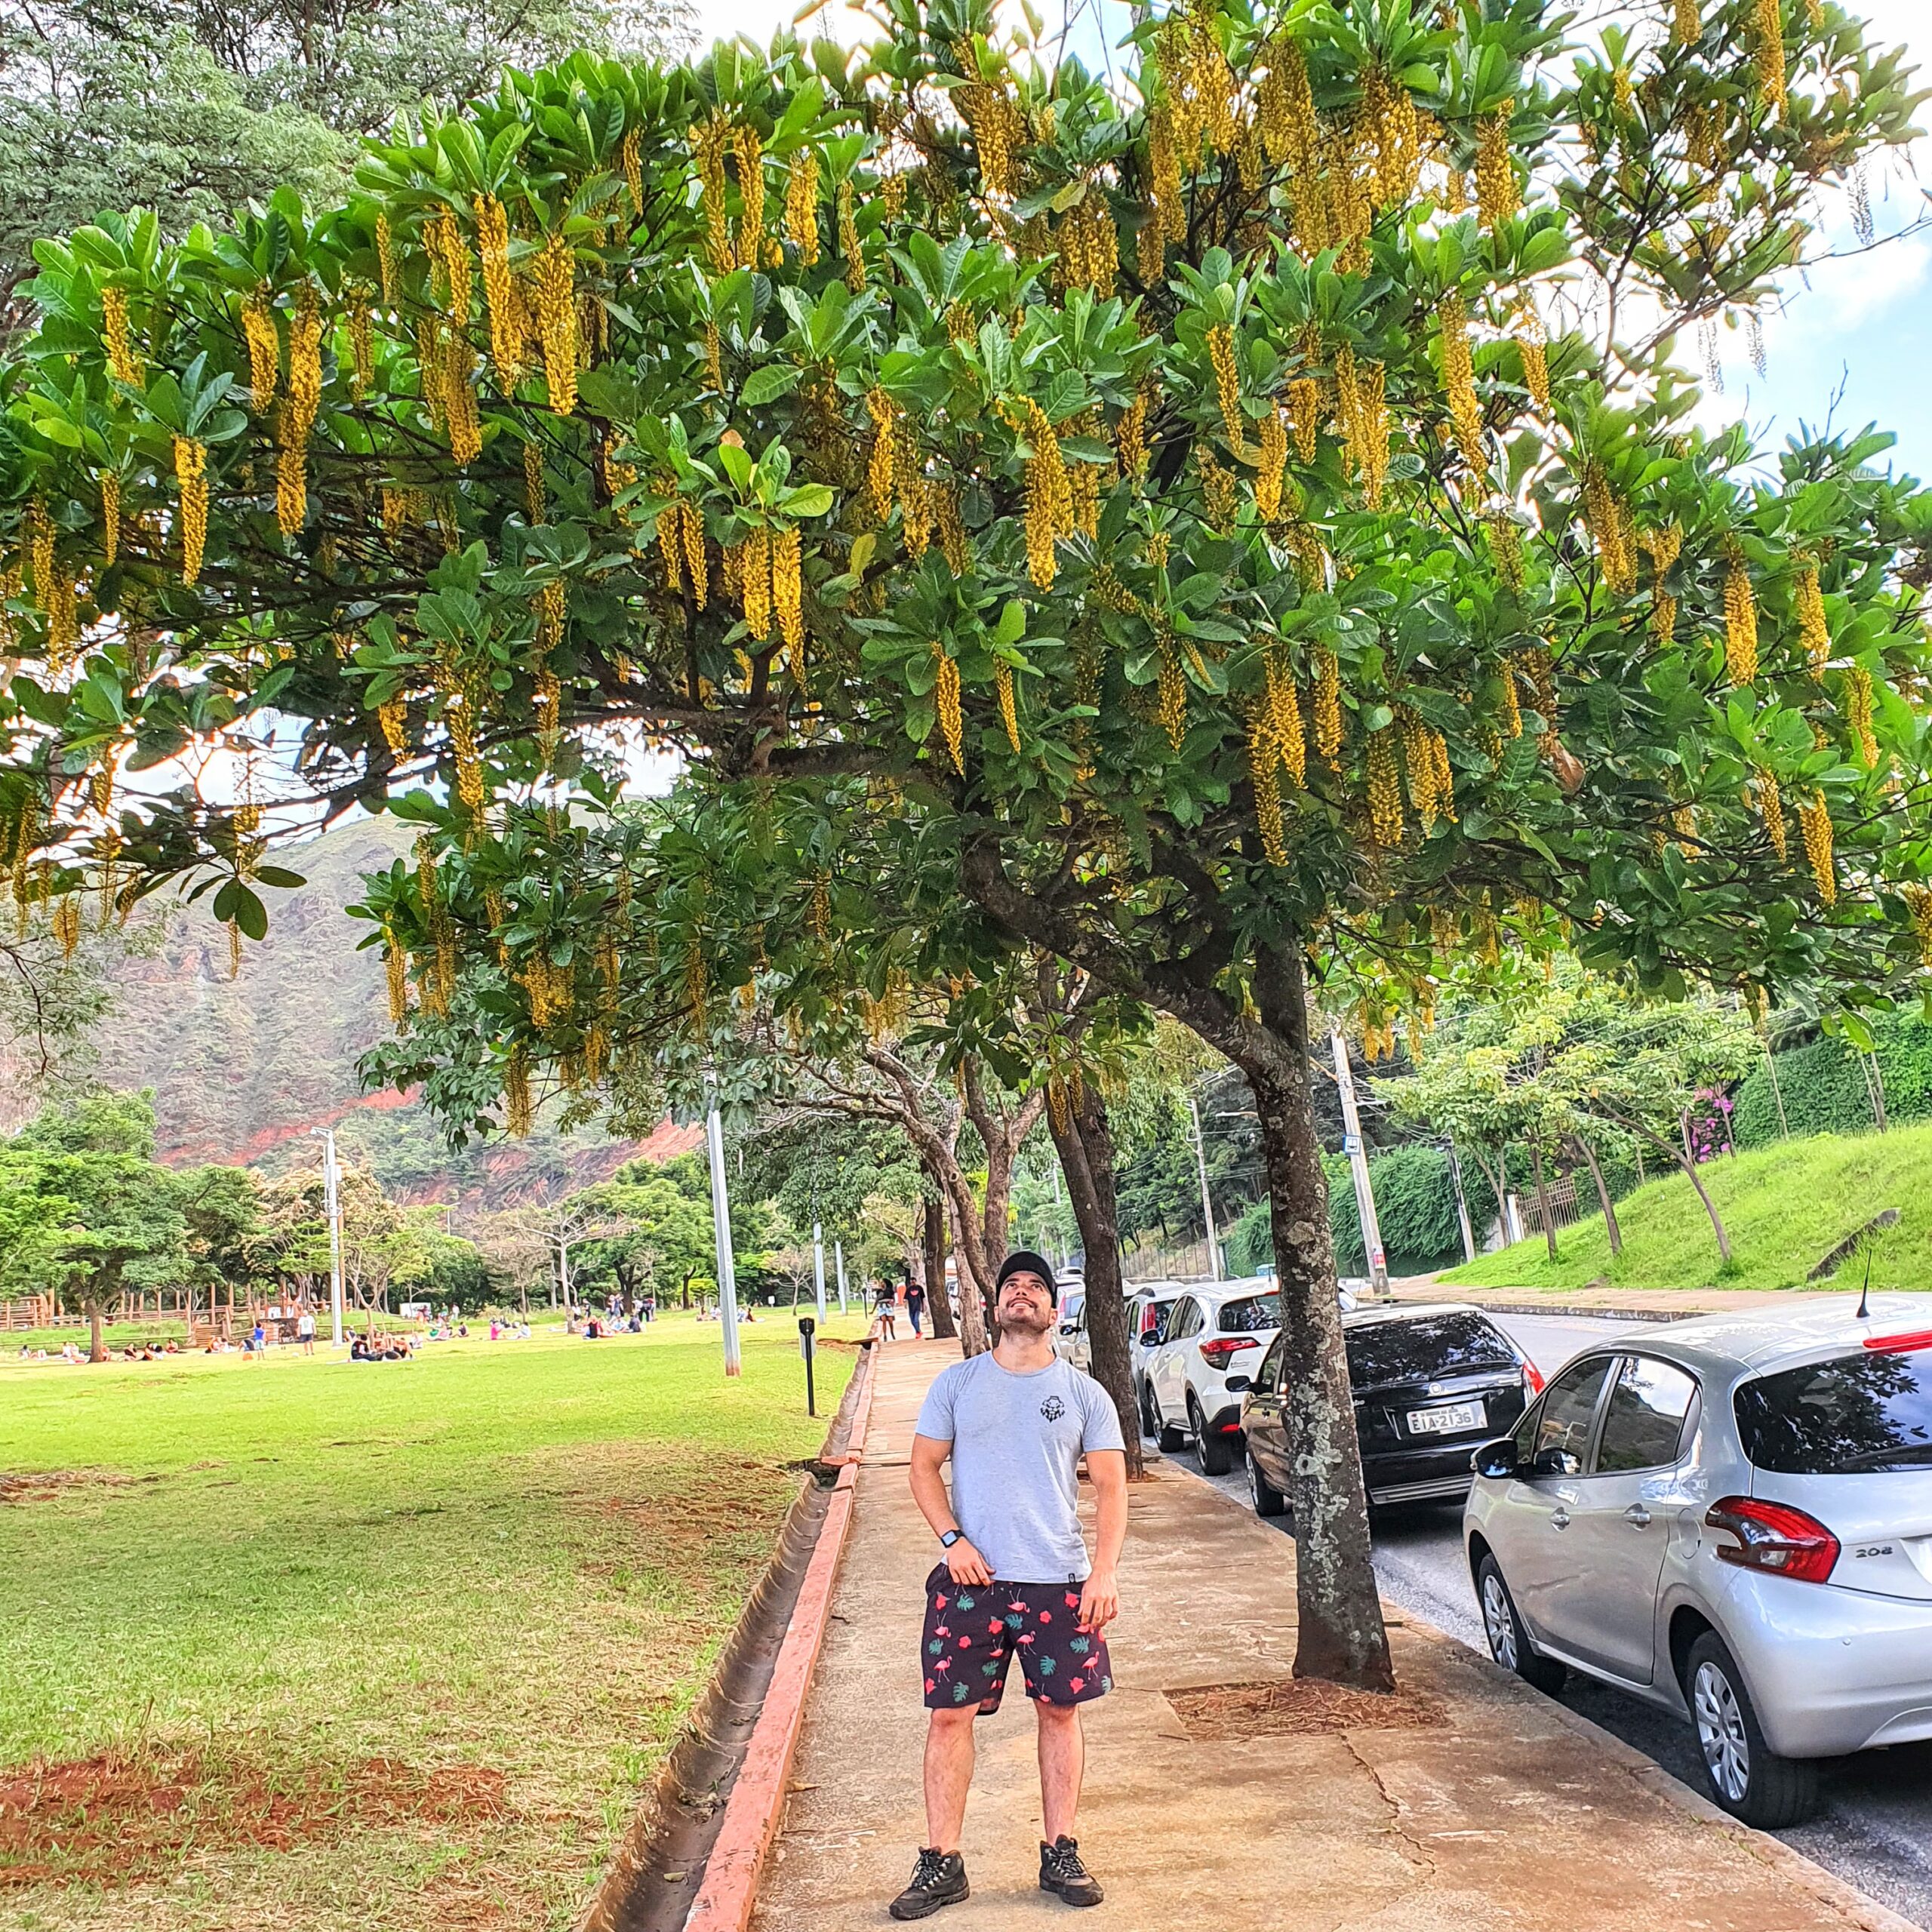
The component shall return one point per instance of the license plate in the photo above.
(1451, 1420)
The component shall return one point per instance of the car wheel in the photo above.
(1167, 1440)
(1508, 1642)
(1269, 1501)
(1749, 1780)
(1211, 1451)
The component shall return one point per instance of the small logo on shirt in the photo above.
(1053, 1408)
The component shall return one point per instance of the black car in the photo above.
(1432, 1384)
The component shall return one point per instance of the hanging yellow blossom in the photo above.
(393, 716)
(1009, 709)
(1049, 494)
(1227, 384)
(1385, 789)
(1814, 820)
(1770, 808)
(518, 1114)
(1858, 713)
(461, 418)
(756, 583)
(1813, 629)
(1171, 709)
(787, 589)
(110, 517)
(397, 961)
(492, 242)
(123, 363)
(556, 317)
(693, 524)
(1770, 59)
(801, 204)
(451, 252)
(190, 467)
(1740, 621)
(1264, 770)
(1327, 704)
(750, 151)
(945, 695)
(1918, 902)
(1533, 342)
(1610, 525)
(1459, 379)
(1686, 27)
(1271, 458)
(883, 411)
(848, 240)
(1498, 196)
(264, 350)
(951, 523)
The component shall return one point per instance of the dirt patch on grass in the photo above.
(46, 1485)
(117, 1818)
(1300, 1707)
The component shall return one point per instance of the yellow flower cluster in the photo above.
(1813, 629)
(361, 340)
(854, 255)
(191, 475)
(451, 252)
(1365, 414)
(1279, 716)
(393, 717)
(1687, 28)
(1165, 222)
(1740, 621)
(749, 150)
(1220, 498)
(1611, 526)
(459, 408)
(630, 158)
(1285, 108)
(1265, 770)
(298, 412)
(1814, 821)
(710, 141)
(519, 1115)
(1432, 783)
(998, 128)
(1327, 704)
(788, 588)
(1227, 384)
(1532, 342)
(1089, 244)
(1506, 546)
(1199, 82)
(1171, 710)
(110, 516)
(801, 204)
(714, 359)
(123, 363)
(493, 243)
(534, 505)
(1131, 435)
(1770, 808)
(952, 542)
(396, 960)
(556, 320)
(1858, 713)
(1459, 379)
(1049, 494)
(1769, 62)
(1009, 708)
(387, 266)
(1498, 194)
(885, 412)
(1918, 899)
(945, 699)
(1390, 139)
(752, 571)
(264, 350)
(1539, 666)
(1270, 460)
(1385, 789)
(552, 603)
(1302, 398)
(1512, 708)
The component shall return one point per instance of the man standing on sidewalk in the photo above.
(1015, 1575)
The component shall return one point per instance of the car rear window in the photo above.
(1251, 1315)
(1431, 1345)
(1866, 1411)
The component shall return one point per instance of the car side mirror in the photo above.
(1068, 1328)
(1556, 1463)
(1496, 1459)
(1234, 1384)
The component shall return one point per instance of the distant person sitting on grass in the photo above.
(1015, 1575)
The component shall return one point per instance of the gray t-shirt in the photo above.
(1016, 1443)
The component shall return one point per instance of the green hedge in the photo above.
(1824, 1086)
(1415, 1200)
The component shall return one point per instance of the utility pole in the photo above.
(1053, 1169)
(818, 1268)
(721, 1231)
(838, 1259)
(1462, 1202)
(1207, 1200)
(1351, 1143)
(332, 1208)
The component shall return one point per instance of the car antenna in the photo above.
(1864, 1288)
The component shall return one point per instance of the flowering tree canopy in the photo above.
(1240, 516)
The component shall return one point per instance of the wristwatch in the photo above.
(951, 1537)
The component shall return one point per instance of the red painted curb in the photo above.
(725, 1900)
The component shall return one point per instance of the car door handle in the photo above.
(1559, 1519)
(1637, 1517)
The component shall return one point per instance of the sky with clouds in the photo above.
(1852, 340)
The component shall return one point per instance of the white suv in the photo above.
(1213, 1332)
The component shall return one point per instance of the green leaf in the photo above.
(767, 384)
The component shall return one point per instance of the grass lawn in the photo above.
(1785, 1208)
(310, 1643)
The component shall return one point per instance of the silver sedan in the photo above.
(1731, 1517)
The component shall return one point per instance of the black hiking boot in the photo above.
(1062, 1872)
(938, 1879)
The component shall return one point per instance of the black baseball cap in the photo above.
(1024, 1261)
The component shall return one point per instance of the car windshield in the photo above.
(1250, 1315)
(1421, 1349)
(1868, 1411)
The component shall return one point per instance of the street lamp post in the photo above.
(818, 1268)
(1371, 1228)
(1207, 1199)
(839, 1261)
(332, 1207)
(721, 1229)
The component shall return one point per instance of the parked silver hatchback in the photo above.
(1731, 1517)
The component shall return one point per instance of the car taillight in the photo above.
(1901, 1344)
(1222, 1350)
(1532, 1380)
(1774, 1537)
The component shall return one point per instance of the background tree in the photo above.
(1323, 581)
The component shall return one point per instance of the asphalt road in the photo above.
(1874, 1830)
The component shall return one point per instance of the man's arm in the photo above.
(1099, 1599)
(964, 1564)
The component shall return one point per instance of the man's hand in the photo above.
(1099, 1601)
(964, 1564)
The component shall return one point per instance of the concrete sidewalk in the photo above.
(1505, 1811)
(1622, 1304)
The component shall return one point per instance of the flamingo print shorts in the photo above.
(973, 1632)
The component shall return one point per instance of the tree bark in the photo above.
(938, 1307)
(1610, 1228)
(1710, 1208)
(975, 1299)
(1340, 1634)
(1002, 1134)
(96, 1347)
(1542, 1200)
(1085, 1143)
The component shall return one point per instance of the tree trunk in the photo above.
(1497, 1177)
(974, 1299)
(1002, 1134)
(1340, 1634)
(938, 1307)
(1710, 1208)
(1610, 1228)
(1086, 1148)
(96, 1347)
(1543, 1199)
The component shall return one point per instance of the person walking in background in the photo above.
(1015, 1575)
(916, 1303)
(887, 1306)
(305, 1331)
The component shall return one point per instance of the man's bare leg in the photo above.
(948, 1774)
(1062, 1760)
